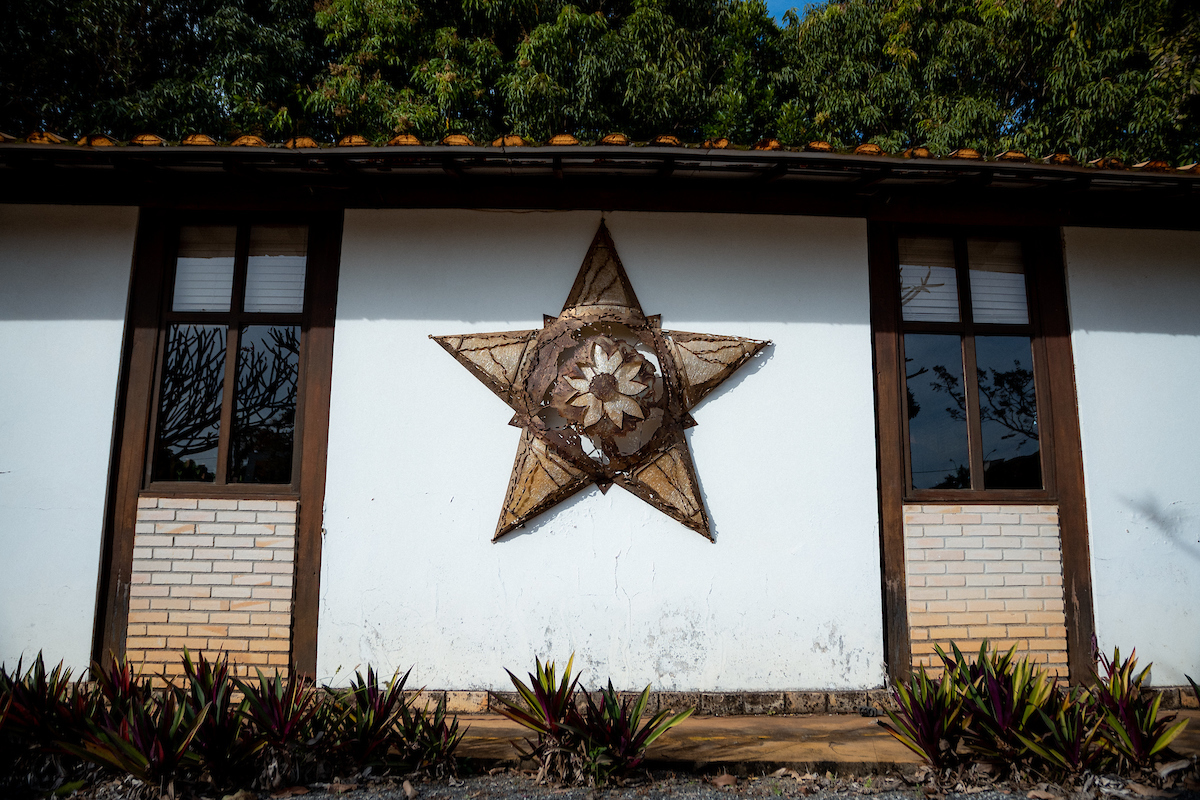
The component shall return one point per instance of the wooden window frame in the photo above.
(968, 329)
(1058, 419)
(145, 327)
(235, 317)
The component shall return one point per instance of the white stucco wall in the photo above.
(64, 279)
(420, 455)
(1135, 314)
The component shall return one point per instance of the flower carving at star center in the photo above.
(605, 387)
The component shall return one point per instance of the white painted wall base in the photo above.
(1135, 315)
(420, 455)
(65, 277)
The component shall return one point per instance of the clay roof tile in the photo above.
(1154, 166)
(198, 140)
(512, 140)
(1012, 155)
(96, 140)
(404, 140)
(869, 149)
(44, 137)
(301, 143)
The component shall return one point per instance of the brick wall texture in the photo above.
(985, 572)
(212, 576)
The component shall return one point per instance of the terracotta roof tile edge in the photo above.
(1008, 158)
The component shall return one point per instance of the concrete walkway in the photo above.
(814, 741)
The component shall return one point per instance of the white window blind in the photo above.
(997, 282)
(204, 268)
(276, 268)
(928, 282)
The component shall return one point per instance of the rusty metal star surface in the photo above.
(602, 394)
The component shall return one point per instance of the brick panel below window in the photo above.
(978, 572)
(212, 576)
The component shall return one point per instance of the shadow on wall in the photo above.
(690, 268)
(65, 262)
(1177, 522)
(1134, 281)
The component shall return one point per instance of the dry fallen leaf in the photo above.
(1147, 791)
(1038, 794)
(289, 791)
(725, 780)
(1174, 766)
(409, 791)
(241, 794)
(341, 788)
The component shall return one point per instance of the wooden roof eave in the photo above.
(601, 176)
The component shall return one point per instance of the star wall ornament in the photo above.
(602, 395)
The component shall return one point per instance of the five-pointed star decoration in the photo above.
(602, 394)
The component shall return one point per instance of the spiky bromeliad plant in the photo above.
(1133, 729)
(613, 738)
(430, 739)
(929, 718)
(368, 717)
(1070, 741)
(548, 709)
(282, 713)
(121, 687)
(1002, 696)
(222, 743)
(151, 741)
(45, 711)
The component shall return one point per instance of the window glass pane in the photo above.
(997, 282)
(204, 268)
(1008, 413)
(928, 282)
(264, 417)
(275, 271)
(189, 408)
(937, 420)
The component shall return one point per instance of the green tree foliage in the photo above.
(1089, 77)
(220, 67)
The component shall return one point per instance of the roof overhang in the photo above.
(602, 177)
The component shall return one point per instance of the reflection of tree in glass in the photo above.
(960, 478)
(1007, 398)
(914, 407)
(265, 415)
(189, 414)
